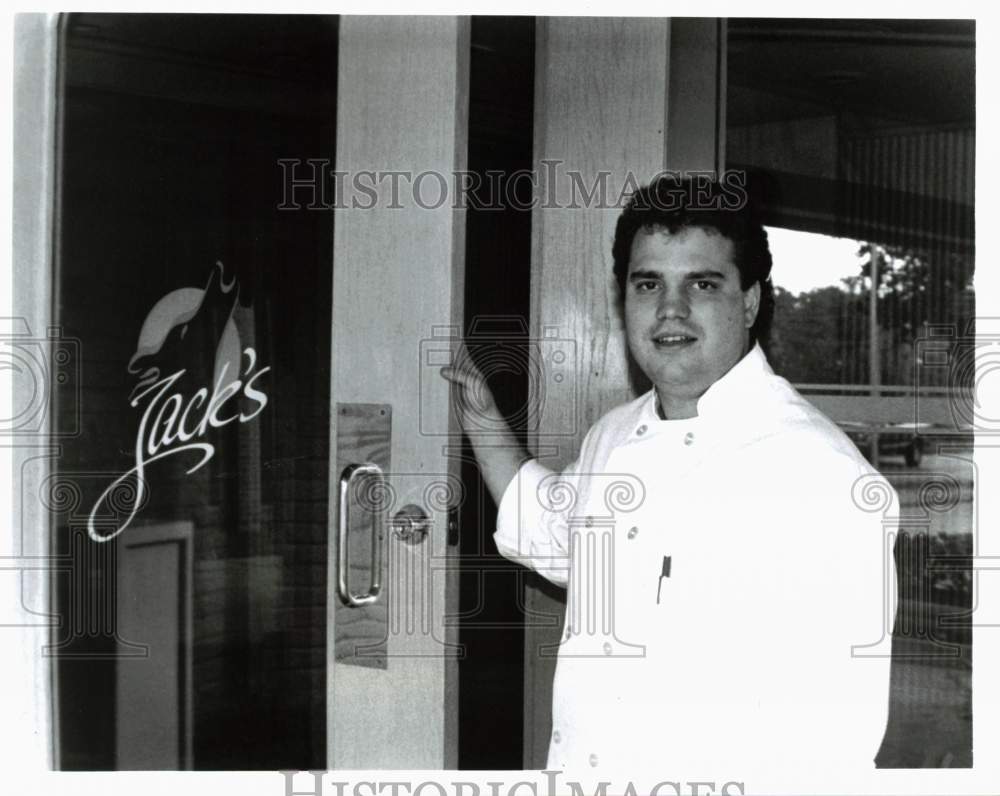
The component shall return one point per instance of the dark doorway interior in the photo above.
(498, 257)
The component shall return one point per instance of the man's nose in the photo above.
(673, 304)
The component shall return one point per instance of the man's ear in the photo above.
(751, 304)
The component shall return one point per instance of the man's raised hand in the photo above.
(497, 449)
(474, 403)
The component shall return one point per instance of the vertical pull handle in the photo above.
(346, 479)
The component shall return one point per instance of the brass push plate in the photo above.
(364, 435)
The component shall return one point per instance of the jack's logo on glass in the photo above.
(176, 410)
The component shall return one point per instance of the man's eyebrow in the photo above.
(705, 275)
(635, 276)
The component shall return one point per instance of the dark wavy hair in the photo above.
(674, 203)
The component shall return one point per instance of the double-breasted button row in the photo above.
(592, 759)
(688, 438)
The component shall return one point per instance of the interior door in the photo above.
(402, 108)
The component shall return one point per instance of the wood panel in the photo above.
(600, 107)
(364, 433)
(402, 106)
(628, 98)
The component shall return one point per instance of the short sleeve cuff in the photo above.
(519, 513)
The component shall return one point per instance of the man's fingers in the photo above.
(463, 376)
(454, 375)
(472, 384)
(475, 395)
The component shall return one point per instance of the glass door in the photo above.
(190, 495)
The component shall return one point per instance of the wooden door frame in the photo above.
(402, 103)
(654, 99)
(32, 448)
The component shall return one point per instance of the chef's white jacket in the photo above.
(730, 585)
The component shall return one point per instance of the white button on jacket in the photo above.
(748, 623)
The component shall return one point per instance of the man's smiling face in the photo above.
(686, 316)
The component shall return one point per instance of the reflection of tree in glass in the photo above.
(807, 343)
(822, 335)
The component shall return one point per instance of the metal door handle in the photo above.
(411, 524)
(375, 586)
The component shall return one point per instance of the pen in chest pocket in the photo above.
(664, 573)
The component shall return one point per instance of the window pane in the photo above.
(859, 138)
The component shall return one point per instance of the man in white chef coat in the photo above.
(722, 541)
